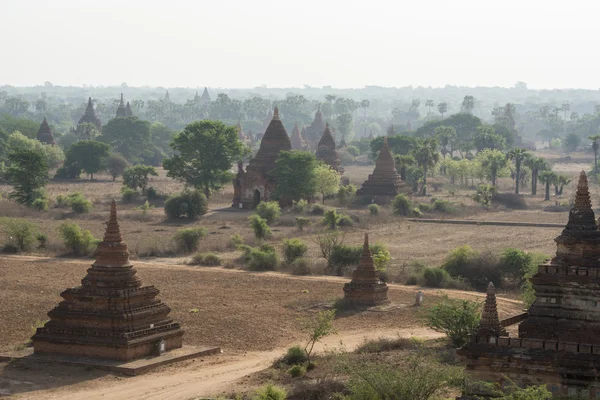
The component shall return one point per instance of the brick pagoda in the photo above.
(123, 111)
(558, 343)
(44, 134)
(366, 289)
(89, 116)
(384, 183)
(111, 315)
(297, 140)
(256, 184)
(312, 134)
(326, 151)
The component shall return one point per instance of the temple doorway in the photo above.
(256, 198)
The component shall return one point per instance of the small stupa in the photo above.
(297, 139)
(384, 183)
(205, 98)
(366, 289)
(326, 151)
(89, 116)
(111, 315)
(128, 112)
(489, 325)
(121, 113)
(314, 131)
(44, 134)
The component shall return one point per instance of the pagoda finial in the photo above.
(276, 113)
(490, 323)
(366, 250)
(113, 231)
(582, 198)
(121, 97)
(326, 125)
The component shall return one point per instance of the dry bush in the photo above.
(154, 247)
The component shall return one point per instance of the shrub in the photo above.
(78, 241)
(152, 194)
(42, 239)
(300, 206)
(297, 371)
(459, 259)
(293, 249)
(40, 204)
(456, 318)
(373, 209)
(318, 209)
(270, 392)
(345, 220)
(188, 204)
(259, 226)
(424, 207)
(343, 256)
(21, 233)
(381, 256)
(187, 239)
(79, 204)
(269, 211)
(236, 241)
(402, 205)
(330, 219)
(129, 195)
(346, 194)
(416, 212)
(510, 200)
(435, 277)
(294, 355)
(61, 201)
(515, 262)
(302, 222)
(484, 194)
(387, 344)
(301, 266)
(208, 259)
(260, 260)
(137, 177)
(444, 206)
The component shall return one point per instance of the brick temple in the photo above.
(366, 289)
(312, 134)
(111, 315)
(123, 110)
(44, 134)
(89, 116)
(326, 151)
(298, 142)
(558, 342)
(384, 183)
(256, 184)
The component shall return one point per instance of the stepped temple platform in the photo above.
(558, 341)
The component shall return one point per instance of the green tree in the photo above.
(402, 163)
(456, 318)
(429, 103)
(559, 185)
(138, 176)
(468, 104)
(328, 180)
(129, 136)
(116, 165)
(446, 135)
(27, 127)
(595, 146)
(161, 135)
(517, 155)
(492, 161)
(344, 123)
(205, 151)
(536, 164)
(87, 155)
(548, 178)
(427, 157)
(318, 327)
(486, 138)
(571, 142)
(295, 174)
(54, 154)
(442, 108)
(27, 174)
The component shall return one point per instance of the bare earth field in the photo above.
(247, 314)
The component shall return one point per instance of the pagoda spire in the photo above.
(366, 251)
(490, 322)
(113, 231)
(276, 113)
(581, 216)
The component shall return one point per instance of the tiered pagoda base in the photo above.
(366, 289)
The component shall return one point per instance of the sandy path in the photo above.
(212, 379)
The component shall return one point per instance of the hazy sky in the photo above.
(342, 43)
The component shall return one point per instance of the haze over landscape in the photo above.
(338, 43)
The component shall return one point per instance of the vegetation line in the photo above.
(496, 223)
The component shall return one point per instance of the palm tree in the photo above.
(548, 177)
(518, 155)
(536, 164)
(402, 163)
(494, 161)
(595, 146)
(442, 108)
(560, 184)
(427, 157)
(429, 103)
(445, 135)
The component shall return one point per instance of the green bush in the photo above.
(61, 201)
(435, 277)
(293, 249)
(261, 260)
(259, 226)
(187, 239)
(79, 204)
(40, 204)
(297, 371)
(424, 207)
(302, 222)
(318, 209)
(78, 241)
(373, 209)
(443, 206)
(269, 211)
(346, 194)
(456, 318)
(402, 205)
(459, 259)
(188, 204)
(236, 241)
(208, 259)
(301, 266)
(300, 206)
(270, 392)
(381, 256)
(129, 195)
(42, 239)
(330, 219)
(345, 220)
(21, 234)
(294, 355)
(152, 193)
(342, 257)
(416, 212)
(515, 263)
(485, 194)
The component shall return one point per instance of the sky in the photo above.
(340, 43)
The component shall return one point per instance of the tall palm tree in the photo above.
(494, 161)
(517, 155)
(595, 146)
(445, 135)
(429, 103)
(442, 108)
(536, 164)
(427, 157)
(548, 177)
(402, 163)
(559, 185)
